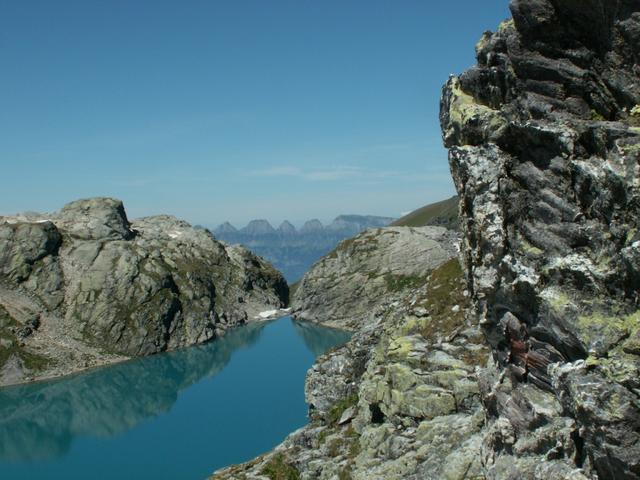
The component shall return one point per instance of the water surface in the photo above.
(178, 415)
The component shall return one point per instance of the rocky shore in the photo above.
(84, 286)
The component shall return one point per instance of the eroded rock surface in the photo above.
(86, 286)
(544, 149)
(363, 272)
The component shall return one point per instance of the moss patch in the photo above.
(339, 408)
(445, 291)
(398, 283)
(278, 469)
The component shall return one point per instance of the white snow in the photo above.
(268, 313)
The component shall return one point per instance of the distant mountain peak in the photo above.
(225, 227)
(287, 228)
(258, 227)
(312, 226)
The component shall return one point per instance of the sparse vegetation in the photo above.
(397, 283)
(445, 291)
(10, 345)
(278, 469)
(339, 408)
(444, 214)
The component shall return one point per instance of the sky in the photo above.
(231, 110)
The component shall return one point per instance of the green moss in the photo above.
(398, 283)
(631, 234)
(464, 109)
(346, 444)
(278, 469)
(505, 25)
(339, 408)
(558, 301)
(345, 474)
(596, 116)
(322, 436)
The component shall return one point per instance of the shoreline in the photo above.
(110, 361)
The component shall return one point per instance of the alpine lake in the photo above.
(176, 415)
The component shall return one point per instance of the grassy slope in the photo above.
(444, 213)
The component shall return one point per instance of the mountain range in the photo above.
(294, 250)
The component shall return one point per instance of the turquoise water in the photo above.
(178, 415)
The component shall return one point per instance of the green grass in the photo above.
(445, 290)
(278, 469)
(444, 213)
(398, 283)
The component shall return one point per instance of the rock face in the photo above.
(384, 406)
(101, 288)
(545, 151)
(524, 364)
(363, 272)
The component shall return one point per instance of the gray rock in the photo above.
(535, 374)
(126, 288)
(543, 137)
(362, 273)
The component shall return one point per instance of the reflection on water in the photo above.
(319, 339)
(40, 421)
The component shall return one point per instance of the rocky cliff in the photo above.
(84, 286)
(524, 363)
(544, 150)
(384, 405)
(362, 273)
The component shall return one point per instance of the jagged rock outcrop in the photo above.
(368, 270)
(545, 154)
(85, 286)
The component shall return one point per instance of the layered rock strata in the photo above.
(545, 154)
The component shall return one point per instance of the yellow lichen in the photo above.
(464, 108)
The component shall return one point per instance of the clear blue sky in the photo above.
(238, 109)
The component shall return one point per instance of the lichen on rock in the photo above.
(550, 207)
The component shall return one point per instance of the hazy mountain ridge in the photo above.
(294, 250)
